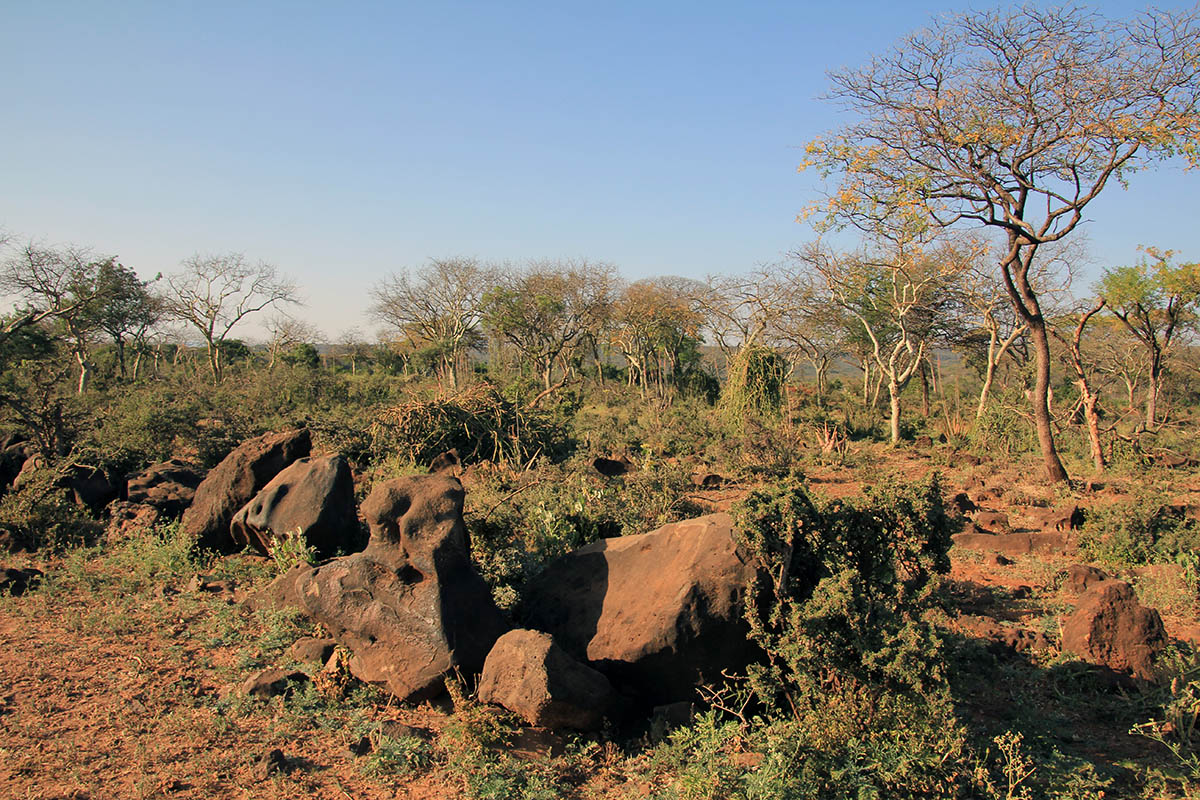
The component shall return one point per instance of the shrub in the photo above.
(477, 421)
(843, 589)
(1140, 531)
(754, 384)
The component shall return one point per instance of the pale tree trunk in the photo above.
(894, 396)
(85, 373)
(1090, 398)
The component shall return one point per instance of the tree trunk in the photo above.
(1092, 419)
(1152, 391)
(866, 368)
(1040, 400)
(894, 395)
(988, 377)
(214, 361)
(924, 370)
(85, 372)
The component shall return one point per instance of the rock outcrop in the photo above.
(169, 486)
(312, 495)
(530, 675)
(235, 481)
(1111, 628)
(658, 613)
(410, 607)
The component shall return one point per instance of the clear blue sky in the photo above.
(342, 141)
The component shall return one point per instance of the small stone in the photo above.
(18, 581)
(272, 682)
(311, 650)
(271, 763)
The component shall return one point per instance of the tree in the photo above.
(546, 309)
(64, 285)
(1089, 395)
(286, 334)
(1013, 120)
(656, 328)
(212, 294)
(127, 309)
(436, 307)
(1156, 302)
(899, 296)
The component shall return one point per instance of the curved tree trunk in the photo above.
(1055, 470)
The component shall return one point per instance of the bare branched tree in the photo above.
(212, 294)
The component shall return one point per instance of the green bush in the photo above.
(1143, 530)
(844, 588)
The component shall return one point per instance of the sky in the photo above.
(341, 142)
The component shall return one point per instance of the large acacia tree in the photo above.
(1014, 120)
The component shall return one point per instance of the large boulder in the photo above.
(169, 486)
(530, 675)
(312, 495)
(410, 608)
(658, 613)
(234, 482)
(1111, 628)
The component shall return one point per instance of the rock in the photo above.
(272, 682)
(1111, 628)
(1014, 544)
(168, 486)
(962, 504)
(18, 581)
(13, 540)
(1080, 578)
(1004, 639)
(235, 481)
(14, 452)
(271, 763)
(992, 521)
(312, 495)
(658, 613)
(310, 650)
(707, 480)
(1066, 518)
(530, 675)
(612, 467)
(126, 518)
(410, 608)
(448, 463)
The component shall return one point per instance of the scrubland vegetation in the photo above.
(844, 405)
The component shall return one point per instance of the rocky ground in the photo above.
(125, 673)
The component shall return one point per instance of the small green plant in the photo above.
(1178, 711)
(292, 550)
